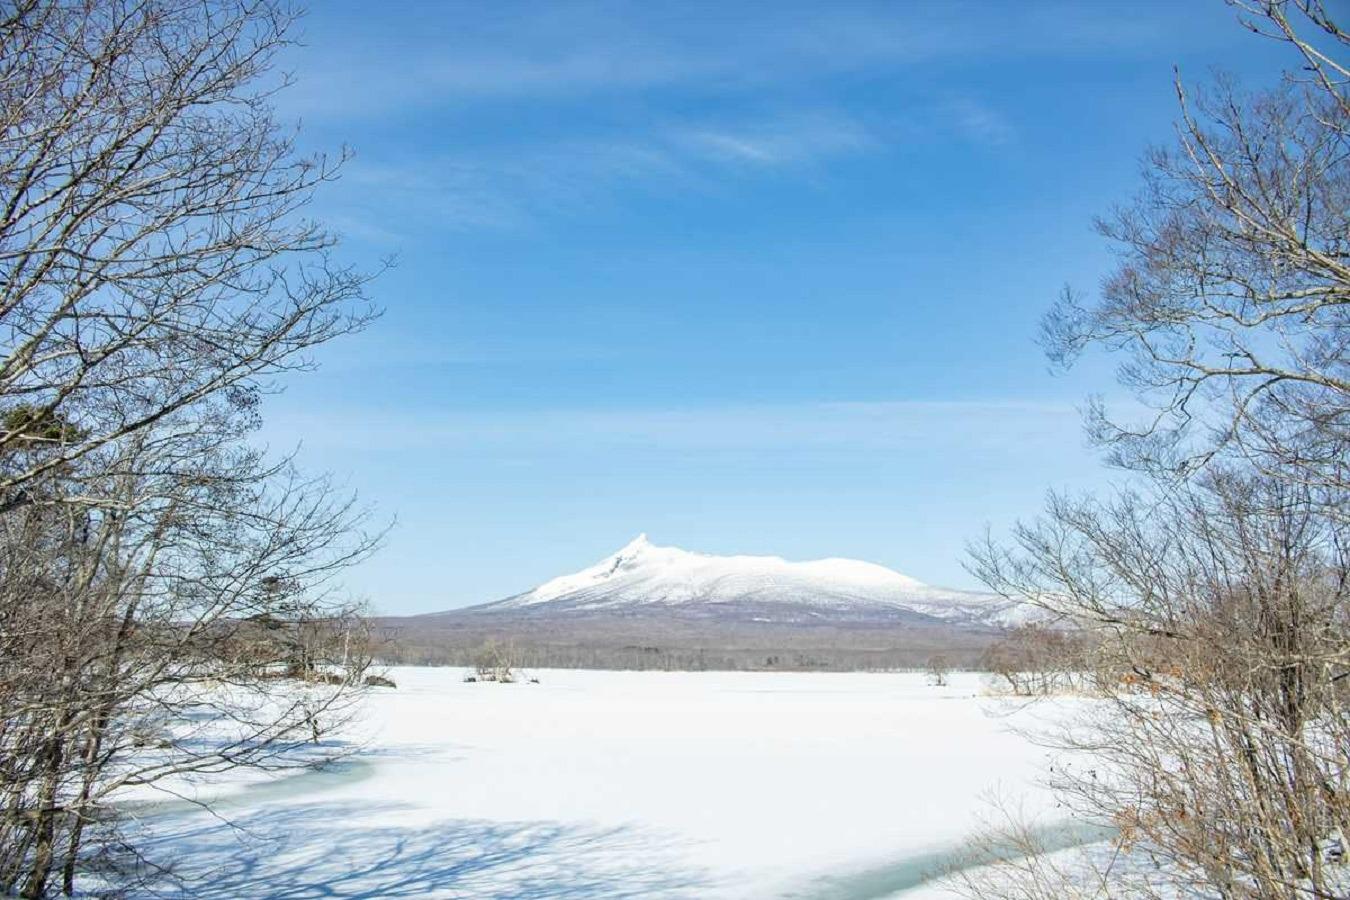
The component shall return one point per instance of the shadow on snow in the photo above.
(322, 851)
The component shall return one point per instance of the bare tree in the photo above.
(1036, 659)
(1214, 592)
(937, 670)
(496, 661)
(1231, 298)
(1218, 745)
(153, 255)
(167, 602)
(133, 623)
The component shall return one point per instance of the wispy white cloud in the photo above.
(756, 77)
(580, 48)
(514, 186)
(796, 139)
(569, 49)
(978, 122)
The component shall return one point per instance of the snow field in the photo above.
(599, 784)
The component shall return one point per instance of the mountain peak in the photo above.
(635, 546)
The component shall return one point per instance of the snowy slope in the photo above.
(643, 575)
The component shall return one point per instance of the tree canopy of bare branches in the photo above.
(1231, 298)
(153, 255)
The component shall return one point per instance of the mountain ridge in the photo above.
(644, 577)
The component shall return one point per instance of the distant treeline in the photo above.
(653, 646)
(675, 659)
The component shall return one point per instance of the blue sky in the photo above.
(750, 277)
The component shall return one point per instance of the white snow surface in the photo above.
(644, 574)
(595, 784)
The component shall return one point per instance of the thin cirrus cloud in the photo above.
(515, 187)
(977, 122)
(578, 49)
(800, 139)
(605, 89)
(569, 49)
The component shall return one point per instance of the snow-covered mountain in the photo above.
(642, 577)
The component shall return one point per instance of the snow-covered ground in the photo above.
(623, 784)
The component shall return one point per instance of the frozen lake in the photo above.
(624, 784)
